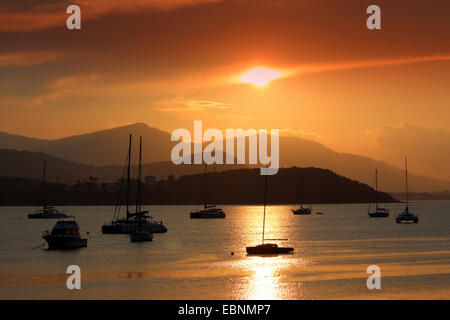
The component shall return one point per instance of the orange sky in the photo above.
(168, 63)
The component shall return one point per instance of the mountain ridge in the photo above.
(107, 149)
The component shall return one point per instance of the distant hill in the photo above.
(107, 149)
(100, 148)
(27, 164)
(243, 186)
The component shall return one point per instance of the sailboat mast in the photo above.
(406, 171)
(203, 187)
(128, 178)
(265, 202)
(376, 187)
(138, 193)
(44, 180)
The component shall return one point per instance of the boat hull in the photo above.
(378, 214)
(141, 237)
(301, 212)
(268, 251)
(46, 216)
(406, 220)
(64, 243)
(213, 215)
(129, 227)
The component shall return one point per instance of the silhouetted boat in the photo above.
(209, 211)
(128, 224)
(267, 248)
(406, 216)
(46, 212)
(301, 210)
(139, 234)
(319, 212)
(379, 212)
(64, 235)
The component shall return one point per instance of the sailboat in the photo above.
(139, 234)
(406, 215)
(46, 212)
(209, 211)
(379, 212)
(128, 224)
(301, 210)
(267, 248)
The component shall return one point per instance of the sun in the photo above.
(260, 76)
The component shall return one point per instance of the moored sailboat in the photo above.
(139, 234)
(406, 215)
(46, 212)
(128, 224)
(209, 211)
(379, 212)
(301, 210)
(267, 248)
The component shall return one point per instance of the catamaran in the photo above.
(406, 215)
(46, 212)
(379, 212)
(209, 211)
(301, 210)
(129, 223)
(267, 248)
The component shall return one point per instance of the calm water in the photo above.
(193, 260)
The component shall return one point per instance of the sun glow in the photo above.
(260, 76)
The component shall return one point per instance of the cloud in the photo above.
(427, 149)
(28, 58)
(27, 15)
(190, 105)
(301, 133)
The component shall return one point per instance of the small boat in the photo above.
(267, 248)
(319, 212)
(128, 224)
(139, 234)
(209, 211)
(301, 210)
(46, 212)
(406, 215)
(379, 212)
(64, 235)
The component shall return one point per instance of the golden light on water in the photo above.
(260, 76)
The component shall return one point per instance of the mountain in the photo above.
(107, 150)
(243, 186)
(28, 164)
(100, 148)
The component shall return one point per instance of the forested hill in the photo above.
(244, 186)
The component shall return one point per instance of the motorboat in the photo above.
(64, 235)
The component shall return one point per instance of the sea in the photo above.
(335, 254)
